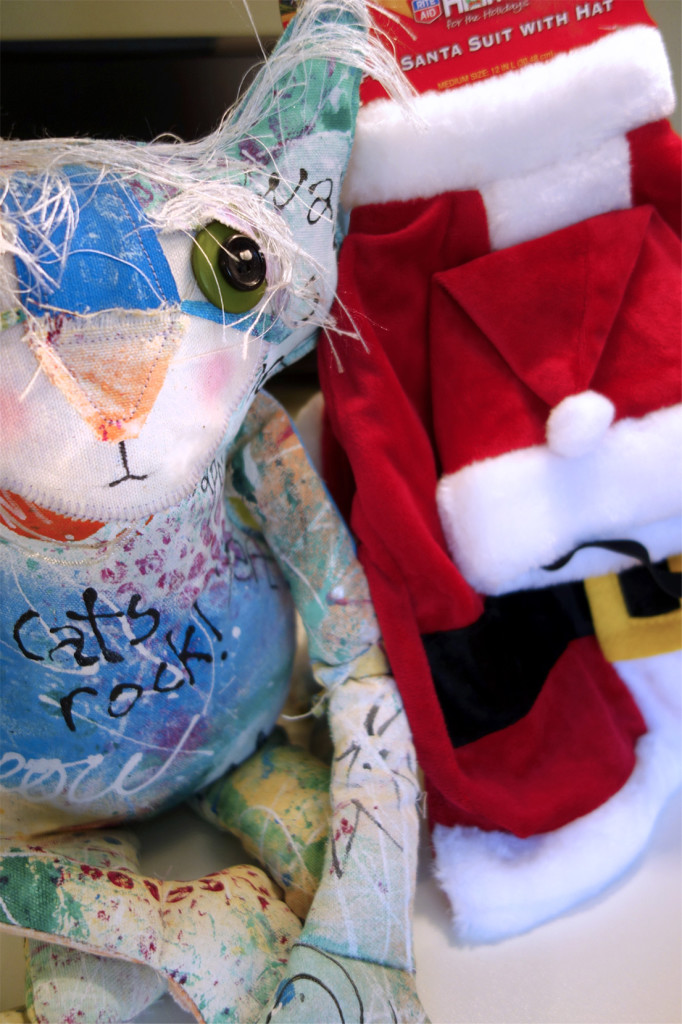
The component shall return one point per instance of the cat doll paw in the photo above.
(321, 986)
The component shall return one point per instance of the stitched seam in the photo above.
(36, 346)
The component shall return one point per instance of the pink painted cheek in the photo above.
(14, 417)
(220, 374)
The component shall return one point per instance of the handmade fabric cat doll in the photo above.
(160, 522)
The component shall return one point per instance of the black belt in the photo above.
(488, 675)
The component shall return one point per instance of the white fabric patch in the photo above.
(511, 125)
(177, 248)
(9, 286)
(500, 885)
(505, 516)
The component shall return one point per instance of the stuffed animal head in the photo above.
(148, 291)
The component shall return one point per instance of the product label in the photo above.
(444, 44)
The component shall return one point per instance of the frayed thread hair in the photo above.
(195, 182)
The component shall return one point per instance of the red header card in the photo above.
(443, 44)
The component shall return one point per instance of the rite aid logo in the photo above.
(425, 11)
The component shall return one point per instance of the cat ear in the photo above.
(293, 131)
(308, 85)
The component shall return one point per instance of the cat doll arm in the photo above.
(354, 958)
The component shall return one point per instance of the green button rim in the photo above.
(213, 285)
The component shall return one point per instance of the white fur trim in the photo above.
(661, 539)
(505, 516)
(511, 125)
(554, 197)
(576, 425)
(500, 885)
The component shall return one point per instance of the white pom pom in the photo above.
(576, 425)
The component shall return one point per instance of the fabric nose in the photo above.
(110, 367)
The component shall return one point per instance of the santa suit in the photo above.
(512, 267)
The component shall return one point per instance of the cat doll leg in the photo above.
(219, 942)
(64, 984)
(277, 804)
(354, 958)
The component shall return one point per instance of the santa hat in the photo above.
(555, 369)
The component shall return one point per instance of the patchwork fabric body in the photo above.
(506, 443)
(135, 666)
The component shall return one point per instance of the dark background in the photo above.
(134, 89)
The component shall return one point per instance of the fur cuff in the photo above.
(506, 517)
(500, 885)
(513, 125)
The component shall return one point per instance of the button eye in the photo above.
(241, 263)
(229, 268)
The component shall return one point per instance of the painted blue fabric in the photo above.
(114, 258)
(269, 325)
(133, 683)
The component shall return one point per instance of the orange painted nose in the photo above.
(110, 366)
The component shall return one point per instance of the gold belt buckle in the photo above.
(623, 637)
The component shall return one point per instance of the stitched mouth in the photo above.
(128, 475)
